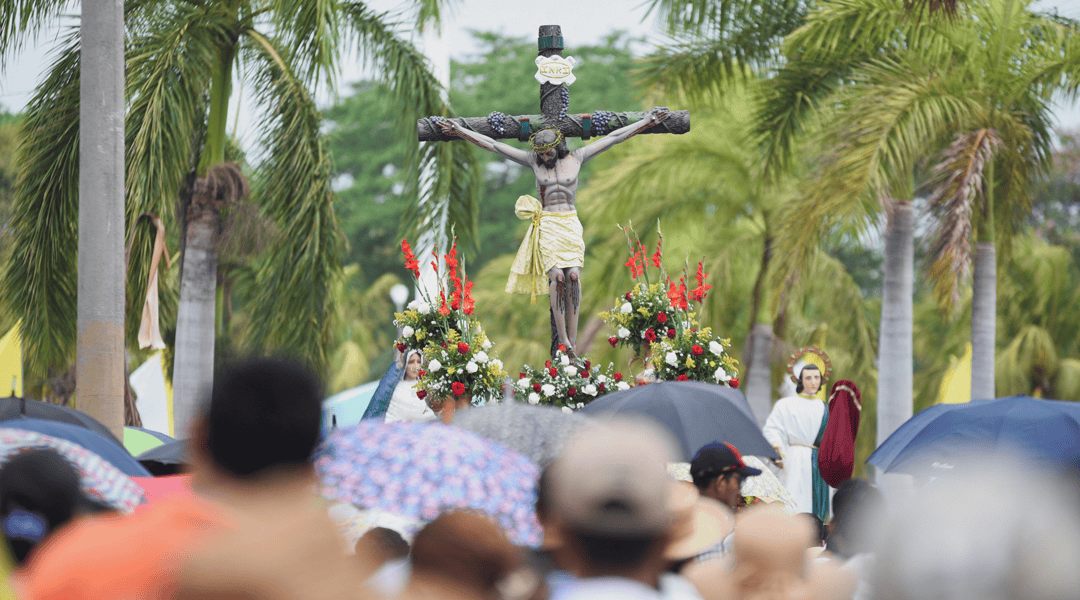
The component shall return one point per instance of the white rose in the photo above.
(534, 398)
(472, 367)
(622, 385)
(407, 331)
(567, 410)
(413, 305)
(626, 308)
(601, 378)
(716, 348)
(434, 366)
(564, 359)
(624, 333)
(423, 308)
(580, 405)
(523, 383)
(487, 344)
(571, 371)
(548, 389)
(590, 389)
(481, 357)
(721, 375)
(672, 359)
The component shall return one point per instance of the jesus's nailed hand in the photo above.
(447, 126)
(658, 114)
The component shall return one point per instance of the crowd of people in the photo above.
(616, 524)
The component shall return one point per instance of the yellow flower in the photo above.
(644, 312)
(420, 334)
(451, 370)
(690, 362)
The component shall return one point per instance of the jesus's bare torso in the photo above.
(557, 187)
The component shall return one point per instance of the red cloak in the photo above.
(836, 454)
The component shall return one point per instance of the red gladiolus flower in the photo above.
(671, 334)
(682, 378)
(677, 295)
(627, 296)
(661, 317)
(411, 263)
(584, 374)
(734, 382)
(401, 347)
(572, 392)
(469, 304)
(702, 287)
(462, 348)
(618, 377)
(650, 335)
(443, 309)
(659, 251)
(614, 341)
(547, 363)
(421, 394)
(536, 387)
(421, 373)
(458, 388)
(553, 372)
(697, 350)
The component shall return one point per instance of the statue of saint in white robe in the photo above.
(793, 427)
(405, 405)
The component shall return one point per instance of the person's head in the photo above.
(718, 471)
(549, 146)
(466, 551)
(412, 365)
(39, 492)
(858, 509)
(264, 415)
(611, 496)
(809, 380)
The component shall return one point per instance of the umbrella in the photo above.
(99, 479)
(138, 440)
(13, 408)
(942, 438)
(765, 486)
(353, 522)
(538, 432)
(421, 470)
(167, 459)
(695, 412)
(103, 447)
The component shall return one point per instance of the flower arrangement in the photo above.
(652, 312)
(567, 382)
(458, 359)
(696, 355)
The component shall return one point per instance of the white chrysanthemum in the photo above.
(472, 367)
(624, 333)
(407, 331)
(523, 383)
(413, 305)
(481, 357)
(497, 363)
(486, 345)
(672, 359)
(548, 389)
(567, 410)
(601, 378)
(626, 308)
(590, 389)
(716, 348)
(721, 375)
(622, 385)
(434, 366)
(534, 398)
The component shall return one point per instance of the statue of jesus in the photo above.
(553, 252)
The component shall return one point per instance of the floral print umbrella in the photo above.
(100, 480)
(421, 470)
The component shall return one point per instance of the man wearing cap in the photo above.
(610, 505)
(718, 471)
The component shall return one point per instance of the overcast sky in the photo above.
(582, 21)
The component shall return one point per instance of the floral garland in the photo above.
(696, 355)
(567, 382)
(459, 360)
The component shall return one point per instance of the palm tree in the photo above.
(181, 59)
(891, 90)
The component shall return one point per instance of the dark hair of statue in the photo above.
(798, 386)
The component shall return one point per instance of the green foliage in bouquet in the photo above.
(570, 383)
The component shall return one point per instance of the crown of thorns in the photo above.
(548, 146)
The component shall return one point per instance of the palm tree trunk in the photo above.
(983, 321)
(101, 279)
(895, 368)
(193, 365)
(758, 386)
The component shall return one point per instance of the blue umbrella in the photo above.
(942, 437)
(109, 450)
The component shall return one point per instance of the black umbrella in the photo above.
(169, 458)
(695, 412)
(13, 408)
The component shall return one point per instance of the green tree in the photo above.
(181, 59)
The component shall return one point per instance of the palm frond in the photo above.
(293, 300)
(417, 94)
(308, 35)
(22, 20)
(958, 184)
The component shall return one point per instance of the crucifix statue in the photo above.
(553, 252)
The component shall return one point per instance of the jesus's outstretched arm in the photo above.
(519, 156)
(621, 135)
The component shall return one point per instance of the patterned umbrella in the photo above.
(421, 470)
(765, 486)
(538, 432)
(99, 478)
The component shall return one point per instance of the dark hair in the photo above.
(467, 548)
(858, 508)
(39, 492)
(820, 531)
(389, 543)
(610, 554)
(704, 478)
(798, 386)
(263, 413)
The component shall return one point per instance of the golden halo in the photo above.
(822, 363)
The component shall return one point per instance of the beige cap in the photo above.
(611, 478)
